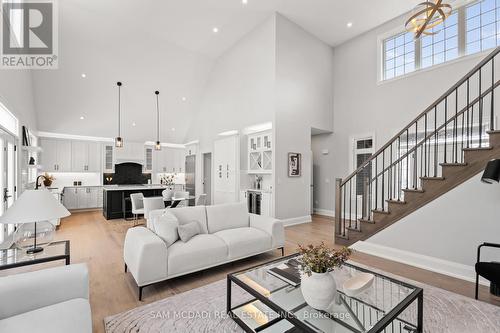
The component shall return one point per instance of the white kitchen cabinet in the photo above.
(191, 149)
(70, 199)
(86, 156)
(260, 154)
(56, 156)
(130, 151)
(108, 154)
(83, 197)
(266, 204)
(226, 171)
(148, 159)
(180, 160)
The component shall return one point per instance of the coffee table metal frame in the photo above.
(416, 295)
(34, 261)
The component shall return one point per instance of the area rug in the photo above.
(203, 310)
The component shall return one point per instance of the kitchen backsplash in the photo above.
(67, 179)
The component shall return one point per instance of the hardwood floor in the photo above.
(99, 243)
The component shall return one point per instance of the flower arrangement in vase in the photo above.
(48, 179)
(168, 180)
(317, 284)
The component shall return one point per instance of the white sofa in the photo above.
(228, 233)
(54, 300)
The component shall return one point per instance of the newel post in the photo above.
(338, 205)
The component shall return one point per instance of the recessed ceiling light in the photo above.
(244, 2)
(82, 117)
(133, 124)
(349, 24)
(173, 129)
(215, 30)
(184, 99)
(84, 75)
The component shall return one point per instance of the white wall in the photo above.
(304, 99)
(16, 93)
(449, 228)
(240, 88)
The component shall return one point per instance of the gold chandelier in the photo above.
(426, 16)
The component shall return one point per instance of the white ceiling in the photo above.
(166, 45)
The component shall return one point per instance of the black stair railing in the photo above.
(459, 119)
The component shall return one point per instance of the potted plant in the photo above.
(48, 179)
(317, 284)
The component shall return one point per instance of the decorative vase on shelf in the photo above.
(319, 290)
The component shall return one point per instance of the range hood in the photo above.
(131, 152)
(129, 159)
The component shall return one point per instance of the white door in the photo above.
(8, 180)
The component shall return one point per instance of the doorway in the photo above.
(8, 180)
(207, 176)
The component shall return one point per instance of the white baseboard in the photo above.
(297, 220)
(324, 212)
(450, 268)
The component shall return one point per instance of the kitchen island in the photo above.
(116, 198)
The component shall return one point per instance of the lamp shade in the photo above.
(492, 172)
(34, 206)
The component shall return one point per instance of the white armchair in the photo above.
(49, 300)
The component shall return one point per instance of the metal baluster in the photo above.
(343, 214)
(445, 128)
(400, 185)
(492, 115)
(468, 115)
(480, 110)
(376, 182)
(425, 145)
(455, 145)
(415, 157)
(350, 203)
(407, 161)
(435, 142)
(472, 124)
(383, 181)
(390, 175)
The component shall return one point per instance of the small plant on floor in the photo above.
(321, 259)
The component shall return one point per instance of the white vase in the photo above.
(319, 290)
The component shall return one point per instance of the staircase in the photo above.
(447, 144)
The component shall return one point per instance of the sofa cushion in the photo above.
(189, 214)
(189, 230)
(70, 316)
(200, 251)
(243, 242)
(165, 226)
(227, 216)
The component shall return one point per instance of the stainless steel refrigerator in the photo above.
(191, 176)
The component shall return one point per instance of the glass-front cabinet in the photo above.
(260, 154)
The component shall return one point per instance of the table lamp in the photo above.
(33, 210)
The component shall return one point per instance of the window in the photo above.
(482, 25)
(470, 29)
(399, 54)
(443, 46)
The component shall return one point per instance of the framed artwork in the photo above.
(294, 164)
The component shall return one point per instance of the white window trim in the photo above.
(462, 56)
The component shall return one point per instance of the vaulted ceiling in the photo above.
(169, 46)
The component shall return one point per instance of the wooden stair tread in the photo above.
(353, 229)
(493, 132)
(432, 178)
(413, 190)
(452, 164)
(376, 211)
(477, 149)
(366, 221)
(399, 202)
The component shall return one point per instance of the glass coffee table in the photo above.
(14, 257)
(273, 305)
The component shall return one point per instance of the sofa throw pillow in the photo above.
(165, 227)
(189, 230)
